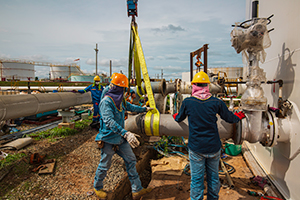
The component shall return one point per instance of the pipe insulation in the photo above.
(15, 106)
(168, 126)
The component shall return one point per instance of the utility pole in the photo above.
(110, 66)
(96, 49)
(162, 73)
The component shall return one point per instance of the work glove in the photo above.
(149, 108)
(174, 115)
(131, 139)
(240, 114)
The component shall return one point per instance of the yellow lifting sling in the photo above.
(139, 57)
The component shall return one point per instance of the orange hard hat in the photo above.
(112, 76)
(120, 80)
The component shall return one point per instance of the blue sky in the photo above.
(62, 31)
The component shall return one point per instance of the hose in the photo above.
(168, 149)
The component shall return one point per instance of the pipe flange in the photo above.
(163, 87)
(268, 130)
(177, 85)
(273, 133)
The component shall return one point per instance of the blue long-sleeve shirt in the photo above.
(104, 92)
(112, 120)
(203, 130)
(95, 90)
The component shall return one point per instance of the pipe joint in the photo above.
(257, 126)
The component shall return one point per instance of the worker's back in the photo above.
(203, 130)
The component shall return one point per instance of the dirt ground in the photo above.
(77, 158)
(76, 161)
(174, 187)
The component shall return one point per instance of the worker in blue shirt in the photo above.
(204, 140)
(113, 138)
(96, 91)
(105, 90)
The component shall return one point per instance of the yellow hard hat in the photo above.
(201, 77)
(97, 78)
(120, 80)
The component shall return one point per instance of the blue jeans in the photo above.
(129, 158)
(199, 165)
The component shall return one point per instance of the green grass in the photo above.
(82, 124)
(50, 134)
(56, 132)
(11, 158)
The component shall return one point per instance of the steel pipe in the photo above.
(157, 87)
(160, 101)
(186, 88)
(15, 106)
(171, 87)
(45, 88)
(168, 126)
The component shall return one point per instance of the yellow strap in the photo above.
(137, 72)
(155, 112)
(148, 123)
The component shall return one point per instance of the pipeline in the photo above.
(186, 88)
(15, 106)
(45, 88)
(168, 126)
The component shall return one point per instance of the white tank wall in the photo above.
(185, 76)
(22, 71)
(63, 72)
(231, 72)
(82, 78)
(282, 61)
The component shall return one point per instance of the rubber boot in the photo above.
(101, 194)
(138, 195)
(94, 124)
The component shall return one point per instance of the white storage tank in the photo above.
(15, 70)
(63, 71)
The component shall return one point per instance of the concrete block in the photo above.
(70, 125)
(84, 116)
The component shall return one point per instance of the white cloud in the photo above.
(169, 28)
(170, 69)
(61, 31)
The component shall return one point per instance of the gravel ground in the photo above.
(76, 161)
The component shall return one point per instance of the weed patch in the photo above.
(10, 159)
(61, 132)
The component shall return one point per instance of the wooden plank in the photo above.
(49, 168)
